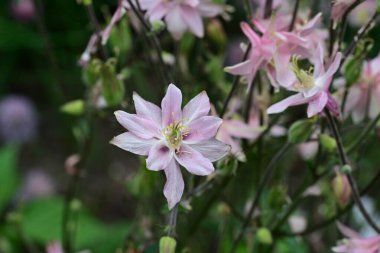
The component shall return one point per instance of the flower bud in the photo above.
(112, 87)
(75, 107)
(264, 236)
(157, 26)
(167, 244)
(300, 131)
(327, 142)
(342, 189)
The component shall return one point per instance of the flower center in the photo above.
(174, 134)
(305, 78)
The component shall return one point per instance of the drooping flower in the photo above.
(181, 15)
(364, 97)
(23, 10)
(312, 86)
(171, 137)
(274, 40)
(355, 243)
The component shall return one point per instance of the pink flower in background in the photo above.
(312, 88)
(23, 10)
(181, 16)
(54, 247)
(339, 8)
(355, 243)
(364, 97)
(362, 14)
(171, 137)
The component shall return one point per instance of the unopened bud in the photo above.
(264, 236)
(167, 244)
(346, 169)
(327, 142)
(157, 26)
(341, 188)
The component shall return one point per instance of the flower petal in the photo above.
(293, 100)
(174, 186)
(194, 161)
(158, 11)
(243, 68)
(159, 157)
(176, 24)
(252, 36)
(139, 126)
(133, 144)
(147, 109)
(316, 105)
(202, 129)
(197, 107)
(213, 149)
(209, 9)
(325, 80)
(119, 13)
(193, 20)
(171, 106)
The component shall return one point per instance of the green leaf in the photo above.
(8, 174)
(75, 107)
(300, 131)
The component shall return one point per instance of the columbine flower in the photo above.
(181, 15)
(312, 86)
(364, 98)
(355, 243)
(171, 137)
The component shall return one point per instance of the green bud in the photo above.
(112, 88)
(167, 244)
(157, 26)
(346, 169)
(341, 188)
(91, 73)
(327, 142)
(85, 2)
(352, 70)
(75, 107)
(264, 236)
(300, 131)
(75, 205)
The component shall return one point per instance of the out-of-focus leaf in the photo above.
(42, 221)
(8, 174)
(112, 88)
(120, 38)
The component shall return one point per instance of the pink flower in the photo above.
(355, 243)
(364, 98)
(171, 137)
(23, 10)
(54, 247)
(181, 15)
(275, 40)
(361, 14)
(312, 88)
(339, 8)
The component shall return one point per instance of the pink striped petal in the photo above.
(139, 126)
(212, 149)
(174, 185)
(194, 161)
(202, 129)
(171, 106)
(159, 157)
(133, 144)
(197, 107)
(147, 109)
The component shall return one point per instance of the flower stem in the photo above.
(267, 177)
(344, 161)
(173, 221)
(268, 8)
(294, 16)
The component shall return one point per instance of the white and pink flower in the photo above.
(170, 137)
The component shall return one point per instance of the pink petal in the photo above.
(209, 9)
(174, 186)
(252, 36)
(139, 126)
(133, 144)
(159, 157)
(284, 75)
(309, 27)
(347, 232)
(192, 3)
(193, 20)
(202, 129)
(259, 25)
(291, 37)
(239, 129)
(194, 161)
(147, 109)
(325, 80)
(317, 104)
(197, 107)
(213, 149)
(171, 106)
(158, 11)
(242, 68)
(119, 13)
(175, 22)
(293, 100)
(317, 61)
(147, 4)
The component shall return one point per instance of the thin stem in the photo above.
(155, 42)
(294, 16)
(267, 177)
(268, 8)
(344, 161)
(234, 85)
(173, 221)
(248, 105)
(362, 136)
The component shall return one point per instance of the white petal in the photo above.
(147, 109)
(174, 186)
(213, 149)
(133, 144)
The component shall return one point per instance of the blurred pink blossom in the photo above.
(54, 247)
(364, 97)
(339, 8)
(362, 14)
(23, 10)
(181, 16)
(312, 88)
(355, 243)
(171, 137)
